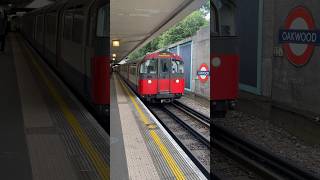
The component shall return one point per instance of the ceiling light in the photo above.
(115, 43)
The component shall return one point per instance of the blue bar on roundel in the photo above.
(299, 36)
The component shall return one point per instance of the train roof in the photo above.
(156, 55)
(162, 55)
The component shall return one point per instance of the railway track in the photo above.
(262, 162)
(244, 158)
(189, 131)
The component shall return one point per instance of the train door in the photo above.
(164, 75)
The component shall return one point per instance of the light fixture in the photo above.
(113, 59)
(114, 55)
(115, 43)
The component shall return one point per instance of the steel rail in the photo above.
(257, 158)
(180, 143)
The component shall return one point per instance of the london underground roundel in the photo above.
(203, 73)
(299, 36)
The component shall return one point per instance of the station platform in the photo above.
(45, 132)
(149, 152)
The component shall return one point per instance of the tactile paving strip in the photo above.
(99, 139)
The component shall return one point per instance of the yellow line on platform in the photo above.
(163, 149)
(98, 162)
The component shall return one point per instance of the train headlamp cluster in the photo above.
(177, 80)
(216, 62)
(149, 81)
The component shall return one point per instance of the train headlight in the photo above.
(216, 62)
(177, 81)
(149, 81)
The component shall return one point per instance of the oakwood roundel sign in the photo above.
(203, 73)
(299, 36)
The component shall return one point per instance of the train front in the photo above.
(161, 77)
(225, 60)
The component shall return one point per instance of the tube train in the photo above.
(225, 62)
(158, 77)
(73, 38)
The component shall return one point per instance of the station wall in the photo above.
(295, 86)
(292, 84)
(195, 51)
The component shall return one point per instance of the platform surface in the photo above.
(151, 153)
(45, 132)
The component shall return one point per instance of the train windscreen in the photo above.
(149, 67)
(177, 66)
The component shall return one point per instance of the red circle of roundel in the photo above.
(299, 12)
(205, 68)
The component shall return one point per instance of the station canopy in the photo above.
(134, 23)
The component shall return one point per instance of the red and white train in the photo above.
(158, 77)
(72, 37)
(225, 62)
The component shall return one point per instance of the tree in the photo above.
(186, 28)
(205, 9)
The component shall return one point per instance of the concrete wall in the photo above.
(296, 87)
(200, 44)
(267, 47)
(200, 55)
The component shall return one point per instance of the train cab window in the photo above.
(225, 13)
(149, 67)
(102, 22)
(177, 66)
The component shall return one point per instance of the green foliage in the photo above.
(205, 9)
(186, 28)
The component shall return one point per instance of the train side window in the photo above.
(51, 24)
(39, 28)
(67, 29)
(133, 70)
(77, 33)
(102, 22)
(39, 24)
(149, 67)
